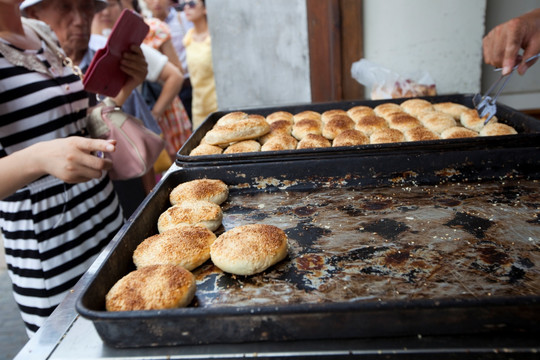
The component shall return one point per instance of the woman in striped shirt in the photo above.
(58, 208)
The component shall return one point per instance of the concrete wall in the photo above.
(260, 50)
(441, 37)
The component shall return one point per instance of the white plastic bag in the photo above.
(387, 84)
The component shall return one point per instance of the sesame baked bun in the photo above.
(458, 132)
(205, 149)
(231, 118)
(187, 246)
(230, 130)
(360, 111)
(495, 129)
(369, 124)
(249, 249)
(387, 108)
(191, 212)
(471, 120)
(277, 127)
(304, 127)
(212, 190)
(350, 138)
(280, 142)
(402, 121)
(336, 125)
(453, 109)
(279, 116)
(312, 141)
(243, 146)
(437, 121)
(420, 134)
(416, 106)
(152, 287)
(386, 136)
(329, 114)
(308, 114)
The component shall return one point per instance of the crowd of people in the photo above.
(58, 208)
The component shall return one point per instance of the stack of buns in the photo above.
(185, 241)
(411, 120)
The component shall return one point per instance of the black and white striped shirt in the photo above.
(52, 230)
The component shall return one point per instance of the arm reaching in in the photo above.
(69, 159)
(502, 44)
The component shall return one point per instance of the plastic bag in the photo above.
(387, 84)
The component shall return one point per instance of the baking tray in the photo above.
(412, 243)
(525, 125)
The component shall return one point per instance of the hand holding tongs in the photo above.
(485, 104)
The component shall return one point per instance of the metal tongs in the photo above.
(485, 104)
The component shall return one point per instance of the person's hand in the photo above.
(135, 66)
(74, 159)
(501, 45)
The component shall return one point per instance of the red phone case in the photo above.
(104, 76)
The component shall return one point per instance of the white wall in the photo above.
(439, 36)
(260, 50)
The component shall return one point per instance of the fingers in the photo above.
(134, 64)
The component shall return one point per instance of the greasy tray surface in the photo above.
(395, 243)
(435, 243)
(525, 125)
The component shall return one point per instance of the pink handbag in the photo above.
(137, 148)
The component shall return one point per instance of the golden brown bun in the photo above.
(191, 212)
(453, 109)
(311, 141)
(329, 114)
(237, 129)
(212, 190)
(350, 138)
(385, 109)
(420, 134)
(243, 146)
(369, 124)
(496, 129)
(152, 288)
(402, 121)
(360, 111)
(416, 106)
(308, 114)
(231, 118)
(437, 121)
(249, 249)
(458, 132)
(280, 115)
(206, 149)
(336, 125)
(187, 246)
(471, 120)
(386, 136)
(280, 142)
(277, 127)
(302, 128)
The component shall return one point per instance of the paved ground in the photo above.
(12, 332)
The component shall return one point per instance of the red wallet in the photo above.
(104, 76)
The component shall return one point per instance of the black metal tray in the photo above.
(525, 125)
(357, 220)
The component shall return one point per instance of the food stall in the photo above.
(402, 250)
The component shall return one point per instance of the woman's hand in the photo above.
(74, 159)
(70, 159)
(134, 65)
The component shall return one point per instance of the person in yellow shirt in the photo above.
(199, 61)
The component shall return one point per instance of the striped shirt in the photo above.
(52, 230)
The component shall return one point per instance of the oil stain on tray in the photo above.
(349, 243)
